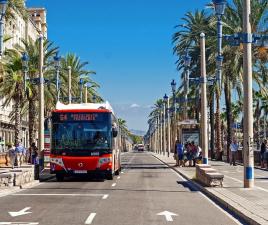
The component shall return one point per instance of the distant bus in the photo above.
(84, 140)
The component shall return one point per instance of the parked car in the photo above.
(140, 147)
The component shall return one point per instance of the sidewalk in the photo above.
(13, 180)
(249, 204)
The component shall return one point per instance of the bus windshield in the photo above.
(81, 131)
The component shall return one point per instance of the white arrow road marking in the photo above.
(20, 213)
(19, 223)
(168, 215)
(90, 218)
(105, 196)
(113, 185)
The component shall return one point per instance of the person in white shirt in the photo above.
(234, 148)
(12, 155)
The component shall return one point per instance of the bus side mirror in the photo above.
(114, 132)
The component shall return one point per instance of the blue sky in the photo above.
(128, 44)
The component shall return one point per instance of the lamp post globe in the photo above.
(219, 61)
(25, 60)
(57, 67)
(173, 85)
(220, 6)
(187, 60)
(165, 98)
(3, 7)
(57, 60)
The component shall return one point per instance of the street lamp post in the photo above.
(164, 128)
(203, 80)
(187, 63)
(220, 6)
(81, 89)
(248, 102)
(41, 94)
(166, 100)
(3, 6)
(173, 87)
(70, 84)
(87, 85)
(57, 68)
(161, 131)
(25, 69)
(247, 38)
(94, 98)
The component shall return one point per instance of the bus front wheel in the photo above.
(59, 177)
(117, 172)
(110, 176)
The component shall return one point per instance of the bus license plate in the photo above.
(80, 171)
(95, 153)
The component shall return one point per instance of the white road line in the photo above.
(58, 194)
(118, 178)
(239, 181)
(105, 196)
(90, 218)
(114, 184)
(19, 223)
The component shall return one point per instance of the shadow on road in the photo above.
(144, 166)
(187, 184)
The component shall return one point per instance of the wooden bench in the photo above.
(208, 176)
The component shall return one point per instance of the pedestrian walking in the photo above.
(34, 153)
(175, 156)
(194, 152)
(11, 155)
(180, 150)
(263, 152)
(234, 148)
(20, 153)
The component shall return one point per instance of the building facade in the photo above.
(18, 29)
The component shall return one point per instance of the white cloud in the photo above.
(134, 105)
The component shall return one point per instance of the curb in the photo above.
(50, 177)
(241, 215)
(30, 185)
(9, 191)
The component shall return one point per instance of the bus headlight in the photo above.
(105, 160)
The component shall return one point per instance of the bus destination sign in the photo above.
(78, 116)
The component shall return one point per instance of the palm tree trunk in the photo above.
(17, 122)
(32, 120)
(218, 126)
(212, 126)
(227, 92)
(257, 124)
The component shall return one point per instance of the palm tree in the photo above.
(125, 133)
(32, 50)
(77, 69)
(233, 58)
(15, 5)
(188, 37)
(12, 88)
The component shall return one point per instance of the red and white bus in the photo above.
(84, 140)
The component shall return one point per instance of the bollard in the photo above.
(36, 171)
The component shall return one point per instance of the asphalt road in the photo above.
(144, 189)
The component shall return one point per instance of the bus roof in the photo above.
(95, 107)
